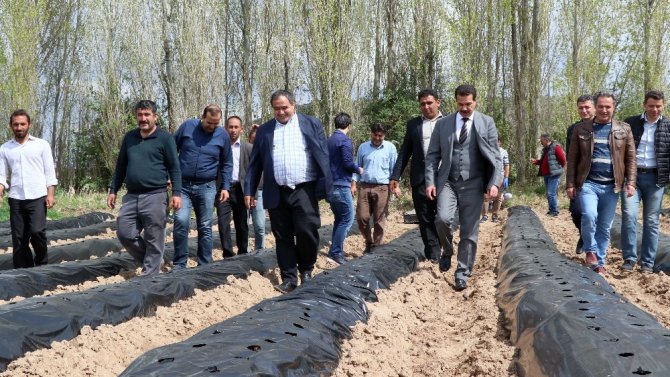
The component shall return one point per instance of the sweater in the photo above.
(146, 164)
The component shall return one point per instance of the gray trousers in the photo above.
(146, 212)
(467, 198)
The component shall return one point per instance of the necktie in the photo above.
(464, 132)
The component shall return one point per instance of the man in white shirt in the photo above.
(651, 133)
(27, 170)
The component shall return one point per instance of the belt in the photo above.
(647, 170)
(367, 184)
(300, 185)
(195, 181)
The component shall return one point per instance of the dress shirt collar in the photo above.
(293, 119)
(237, 143)
(30, 137)
(439, 115)
(644, 118)
(377, 147)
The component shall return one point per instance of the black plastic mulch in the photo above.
(297, 334)
(567, 320)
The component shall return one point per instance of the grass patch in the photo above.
(67, 205)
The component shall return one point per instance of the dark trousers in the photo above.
(425, 213)
(295, 224)
(28, 220)
(576, 214)
(234, 207)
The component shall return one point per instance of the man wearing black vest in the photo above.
(651, 133)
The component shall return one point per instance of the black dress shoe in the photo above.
(286, 287)
(461, 284)
(445, 263)
(305, 277)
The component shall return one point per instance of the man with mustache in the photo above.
(146, 163)
(27, 170)
(462, 163)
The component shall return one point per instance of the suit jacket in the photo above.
(261, 163)
(412, 145)
(245, 156)
(441, 145)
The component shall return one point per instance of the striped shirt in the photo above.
(602, 170)
(292, 160)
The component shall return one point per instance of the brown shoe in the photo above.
(591, 258)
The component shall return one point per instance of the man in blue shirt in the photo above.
(342, 166)
(204, 151)
(377, 158)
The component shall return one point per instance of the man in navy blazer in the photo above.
(291, 153)
(415, 146)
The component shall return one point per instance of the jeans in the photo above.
(652, 197)
(598, 204)
(342, 205)
(201, 197)
(551, 183)
(258, 218)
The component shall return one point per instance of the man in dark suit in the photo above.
(292, 154)
(463, 162)
(417, 139)
(234, 207)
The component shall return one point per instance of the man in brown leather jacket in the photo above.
(600, 160)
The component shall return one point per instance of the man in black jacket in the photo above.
(234, 207)
(651, 132)
(417, 138)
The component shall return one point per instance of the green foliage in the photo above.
(97, 147)
(392, 110)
